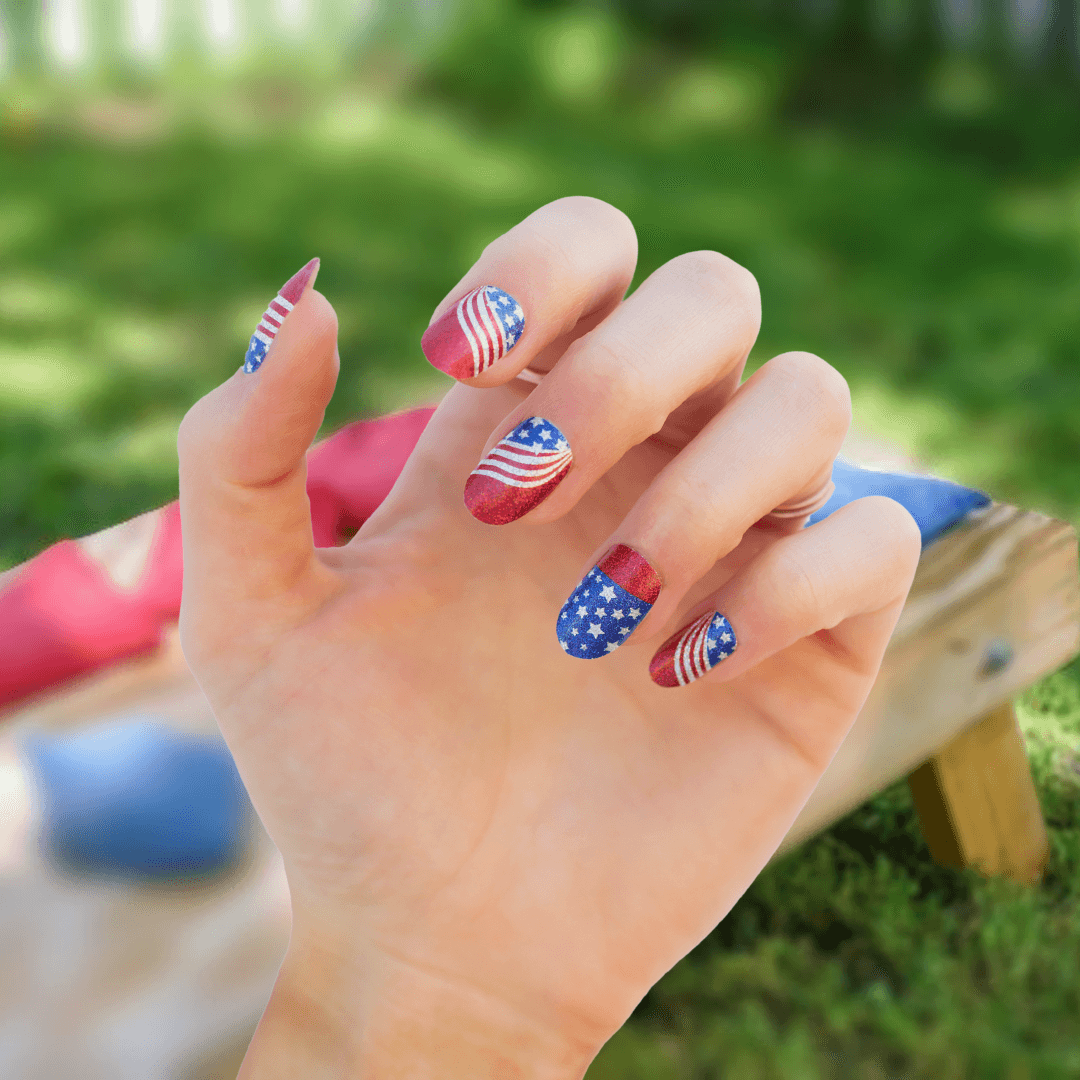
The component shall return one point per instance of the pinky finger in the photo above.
(848, 575)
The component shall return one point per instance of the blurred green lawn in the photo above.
(142, 233)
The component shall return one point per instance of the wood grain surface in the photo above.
(1003, 583)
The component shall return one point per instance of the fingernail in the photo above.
(275, 314)
(519, 473)
(609, 602)
(693, 651)
(478, 330)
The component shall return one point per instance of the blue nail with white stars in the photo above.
(608, 604)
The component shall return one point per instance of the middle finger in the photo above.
(686, 328)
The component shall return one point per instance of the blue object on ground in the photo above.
(138, 798)
(936, 505)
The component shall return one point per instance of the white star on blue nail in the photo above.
(602, 611)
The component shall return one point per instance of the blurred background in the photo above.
(903, 178)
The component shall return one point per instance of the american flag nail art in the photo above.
(478, 330)
(275, 314)
(609, 602)
(519, 473)
(693, 651)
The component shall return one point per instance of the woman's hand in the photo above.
(496, 839)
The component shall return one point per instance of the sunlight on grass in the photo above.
(350, 124)
(1042, 213)
(577, 52)
(147, 449)
(383, 393)
(46, 378)
(39, 302)
(141, 341)
(448, 155)
(19, 222)
(705, 99)
(927, 427)
(961, 86)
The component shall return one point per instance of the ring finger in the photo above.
(774, 442)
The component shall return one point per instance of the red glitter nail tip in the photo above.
(519, 473)
(632, 572)
(275, 315)
(479, 329)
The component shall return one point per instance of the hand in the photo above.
(496, 847)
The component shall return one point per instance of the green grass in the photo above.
(140, 238)
(855, 956)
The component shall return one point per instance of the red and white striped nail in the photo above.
(275, 314)
(519, 473)
(693, 651)
(478, 330)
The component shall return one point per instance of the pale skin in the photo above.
(495, 849)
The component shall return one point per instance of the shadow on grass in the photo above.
(932, 261)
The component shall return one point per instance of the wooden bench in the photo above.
(995, 606)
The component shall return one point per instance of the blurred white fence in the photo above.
(77, 34)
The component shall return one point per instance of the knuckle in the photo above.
(586, 210)
(547, 252)
(897, 533)
(887, 543)
(323, 320)
(744, 284)
(189, 434)
(727, 283)
(717, 272)
(203, 434)
(811, 377)
(793, 585)
(690, 496)
(569, 235)
(623, 387)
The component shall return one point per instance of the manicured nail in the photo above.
(275, 314)
(478, 330)
(609, 602)
(519, 473)
(693, 651)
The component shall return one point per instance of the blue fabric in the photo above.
(936, 505)
(136, 798)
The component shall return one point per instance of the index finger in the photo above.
(570, 262)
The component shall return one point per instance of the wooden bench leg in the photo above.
(977, 803)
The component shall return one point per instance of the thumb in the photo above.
(246, 519)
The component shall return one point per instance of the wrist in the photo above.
(376, 1017)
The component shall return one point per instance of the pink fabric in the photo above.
(353, 471)
(61, 615)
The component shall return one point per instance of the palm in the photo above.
(421, 750)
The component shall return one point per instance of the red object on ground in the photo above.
(61, 615)
(351, 473)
